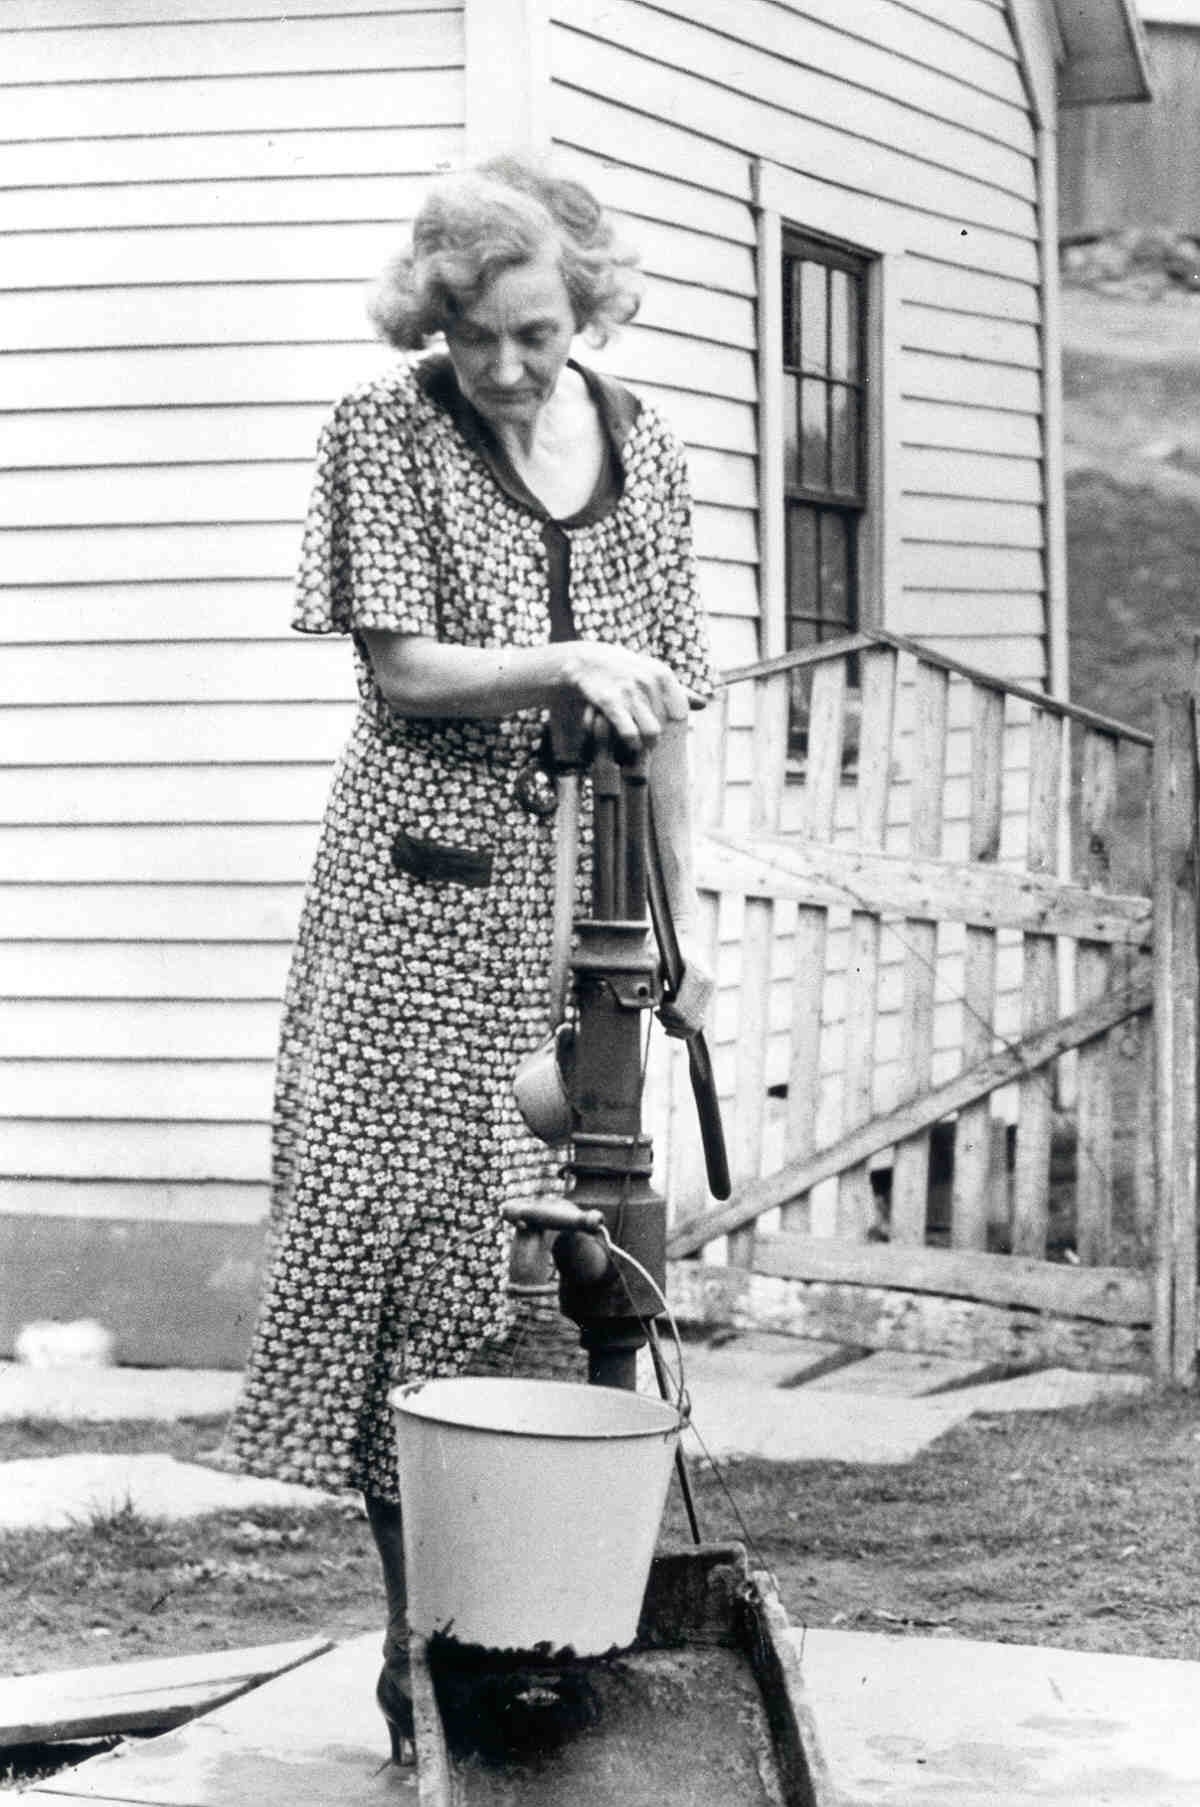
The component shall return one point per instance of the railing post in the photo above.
(1176, 923)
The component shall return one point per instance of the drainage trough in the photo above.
(706, 1708)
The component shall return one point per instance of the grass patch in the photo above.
(1069, 1528)
(116, 1586)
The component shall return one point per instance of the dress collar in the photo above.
(616, 406)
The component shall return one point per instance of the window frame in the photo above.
(802, 206)
(826, 501)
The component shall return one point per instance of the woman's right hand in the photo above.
(636, 694)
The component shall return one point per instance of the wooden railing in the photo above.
(934, 794)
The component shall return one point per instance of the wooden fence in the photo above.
(953, 985)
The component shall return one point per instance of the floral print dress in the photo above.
(420, 973)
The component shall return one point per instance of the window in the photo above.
(828, 328)
(824, 454)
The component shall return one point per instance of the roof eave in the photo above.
(1105, 56)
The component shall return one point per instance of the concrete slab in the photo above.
(802, 1425)
(87, 1393)
(771, 1361)
(941, 1722)
(312, 1738)
(55, 1491)
(898, 1375)
(1053, 1390)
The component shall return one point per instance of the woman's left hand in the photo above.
(686, 1012)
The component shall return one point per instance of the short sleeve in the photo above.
(367, 559)
(683, 640)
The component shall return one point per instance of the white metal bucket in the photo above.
(531, 1509)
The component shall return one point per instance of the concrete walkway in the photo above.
(945, 1722)
(912, 1722)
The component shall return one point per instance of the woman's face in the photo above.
(509, 349)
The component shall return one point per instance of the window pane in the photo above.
(803, 575)
(814, 448)
(791, 429)
(844, 458)
(835, 571)
(843, 329)
(814, 318)
(792, 307)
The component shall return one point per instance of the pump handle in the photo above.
(700, 1068)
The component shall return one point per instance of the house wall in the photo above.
(193, 205)
(666, 106)
(925, 109)
(1136, 164)
(193, 199)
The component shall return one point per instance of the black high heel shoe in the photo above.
(395, 1703)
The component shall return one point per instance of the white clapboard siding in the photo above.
(427, 95)
(981, 616)
(170, 494)
(822, 74)
(781, 105)
(136, 734)
(133, 912)
(970, 383)
(879, 23)
(194, 201)
(973, 521)
(185, 376)
(269, 853)
(203, 254)
(928, 566)
(236, 48)
(144, 437)
(969, 335)
(98, 554)
(73, 1148)
(309, 669)
(958, 428)
(59, 614)
(288, 196)
(55, 15)
(702, 420)
(698, 257)
(145, 1029)
(931, 471)
(70, 969)
(219, 1091)
(997, 297)
(158, 1201)
(63, 795)
(979, 21)
(255, 156)
(283, 312)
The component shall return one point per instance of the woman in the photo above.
(504, 534)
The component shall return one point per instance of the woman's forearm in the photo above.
(419, 676)
(424, 677)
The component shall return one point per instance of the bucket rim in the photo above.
(402, 1400)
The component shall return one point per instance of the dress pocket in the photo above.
(436, 862)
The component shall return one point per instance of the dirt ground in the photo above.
(1131, 379)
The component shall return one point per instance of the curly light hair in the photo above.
(505, 212)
